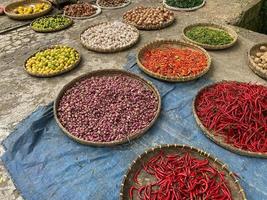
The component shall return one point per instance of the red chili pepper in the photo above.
(174, 62)
(241, 116)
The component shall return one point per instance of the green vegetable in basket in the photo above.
(210, 36)
(184, 3)
(51, 23)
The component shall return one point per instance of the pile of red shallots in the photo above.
(177, 177)
(237, 112)
(79, 10)
(107, 108)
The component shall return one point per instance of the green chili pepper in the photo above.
(210, 36)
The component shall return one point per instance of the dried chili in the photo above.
(237, 112)
(174, 62)
(177, 177)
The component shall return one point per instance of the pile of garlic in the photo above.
(260, 58)
(109, 36)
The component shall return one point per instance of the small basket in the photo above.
(98, 12)
(52, 74)
(175, 43)
(51, 30)
(10, 7)
(252, 65)
(230, 31)
(183, 9)
(237, 191)
(217, 138)
(109, 50)
(113, 8)
(107, 72)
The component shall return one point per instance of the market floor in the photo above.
(20, 94)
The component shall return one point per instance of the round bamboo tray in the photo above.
(51, 30)
(151, 27)
(217, 138)
(10, 7)
(230, 31)
(174, 43)
(107, 72)
(52, 74)
(234, 186)
(98, 11)
(112, 8)
(184, 9)
(252, 65)
(109, 50)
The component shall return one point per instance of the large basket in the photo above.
(233, 183)
(219, 139)
(112, 8)
(174, 43)
(51, 30)
(230, 31)
(98, 12)
(109, 50)
(52, 74)
(107, 72)
(252, 65)
(183, 9)
(10, 7)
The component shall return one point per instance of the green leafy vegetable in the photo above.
(184, 3)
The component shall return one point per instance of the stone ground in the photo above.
(20, 94)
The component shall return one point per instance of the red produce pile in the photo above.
(177, 177)
(107, 108)
(79, 10)
(237, 112)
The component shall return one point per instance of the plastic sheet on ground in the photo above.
(45, 164)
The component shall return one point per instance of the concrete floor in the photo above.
(20, 94)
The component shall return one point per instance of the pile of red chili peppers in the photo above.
(174, 62)
(236, 111)
(179, 177)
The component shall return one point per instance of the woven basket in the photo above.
(10, 7)
(109, 50)
(253, 66)
(151, 27)
(107, 72)
(52, 74)
(112, 8)
(98, 11)
(217, 138)
(233, 183)
(51, 30)
(230, 31)
(183, 9)
(174, 43)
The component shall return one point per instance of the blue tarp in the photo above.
(46, 165)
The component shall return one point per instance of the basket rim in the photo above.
(173, 79)
(183, 9)
(150, 27)
(56, 73)
(252, 65)
(113, 50)
(98, 12)
(227, 29)
(108, 72)
(51, 30)
(29, 16)
(113, 8)
(217, 140)
(200, 152)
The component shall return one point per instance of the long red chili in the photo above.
(237, 112)
(179, 177)
(174, 62)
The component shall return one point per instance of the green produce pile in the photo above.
(205, 35)
(184, 3)
(52, 61)
(51, 23)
